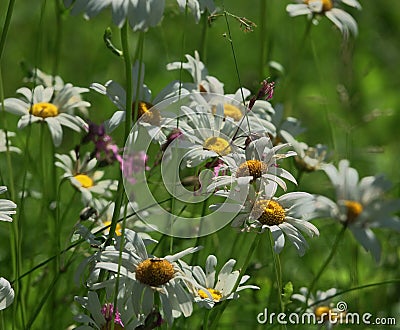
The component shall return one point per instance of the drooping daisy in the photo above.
(6, 293)
(102, 316)
(360, 204)
(325, 311)
(3, 142)
(308, 159)
(44, 106)
(141, 14)
(329, 8)
(6, 207)
(217, 287)
(147, 276)
(84, 177)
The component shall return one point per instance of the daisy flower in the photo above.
(6, 293)
(322, 307)
(39, 77)
(329, 8)
(202, 81)
(140, 14)
(45, 106)
(145, 276)
(6, 207)
(286, 215)
(208, 135)
(102, 316)
(83, 176)
(4, 139)
(308, 159)
(258, 164)
(105, 211)
(360, 204)
(212, 90)
(217, 287)
(274, 115)
(149, 116)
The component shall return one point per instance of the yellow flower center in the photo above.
(322, 312)
(269, 212)
(230, 111)
(218, 145)
(325, 313)
(215, 294)
(44, 110)
(152, 117)
(354, 209)
(326, 4)
(84, 180)
(154, 272)
(254, 168)
(118, 228)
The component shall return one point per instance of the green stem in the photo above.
(58, 38)
(207, 313)
(278, 271)
(263, 33)
(361, 287)
(203, 40)
(195, 256)
(6, 26)
(221, 310)
(139, 58)
(128, 123)
(327, 261)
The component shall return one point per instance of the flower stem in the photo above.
(58, 39)
(327, 261)
(128, 123)
(6, 26)
(139, 58)
(278, 271)
(263, 33)
(253, 247)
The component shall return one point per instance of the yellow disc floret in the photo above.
(354, 209)
(326, 4)
(230, 110)
(218, 145)
(254, 168)
(215, 294)
(269, 212)
(118, 228)
(154, 272)
(322, 312)
(44, 110)
(84, 180)
(146, 115)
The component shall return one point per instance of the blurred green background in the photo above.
(345, 93)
